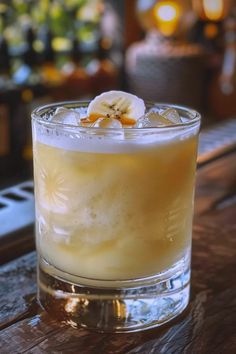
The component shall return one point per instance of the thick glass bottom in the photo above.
(114, 306)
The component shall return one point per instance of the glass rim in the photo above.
(36, 116)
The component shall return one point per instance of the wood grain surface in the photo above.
(207, 326)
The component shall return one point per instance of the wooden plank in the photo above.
(216, 141)
(215, 185)
(209, 324)
(15, 244)
(213, 302)
(17, 289)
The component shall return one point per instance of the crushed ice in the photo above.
(151, 119)
(154, 119)
(172, 115)
(66, 116)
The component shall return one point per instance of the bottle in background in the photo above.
(222, 90)
(76, 79)
(4, 109)
(26, 69)
(51, 75)
(103, 72)
(5, 64)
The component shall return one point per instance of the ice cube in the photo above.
(66, 116)
(152, 120)
(61, 110)
(172, 115)
(107, 123)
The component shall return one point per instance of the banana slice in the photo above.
(125, 107)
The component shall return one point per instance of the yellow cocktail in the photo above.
(115, 215)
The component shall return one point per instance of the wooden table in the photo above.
(207, 326)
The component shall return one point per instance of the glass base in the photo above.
(114, 306)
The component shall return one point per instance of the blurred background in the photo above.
(181, 51)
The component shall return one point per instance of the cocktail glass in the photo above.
(114, 219)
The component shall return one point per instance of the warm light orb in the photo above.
(213, 9)
(167, 14)
(167, 17)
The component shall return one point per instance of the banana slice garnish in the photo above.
(123, 106)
